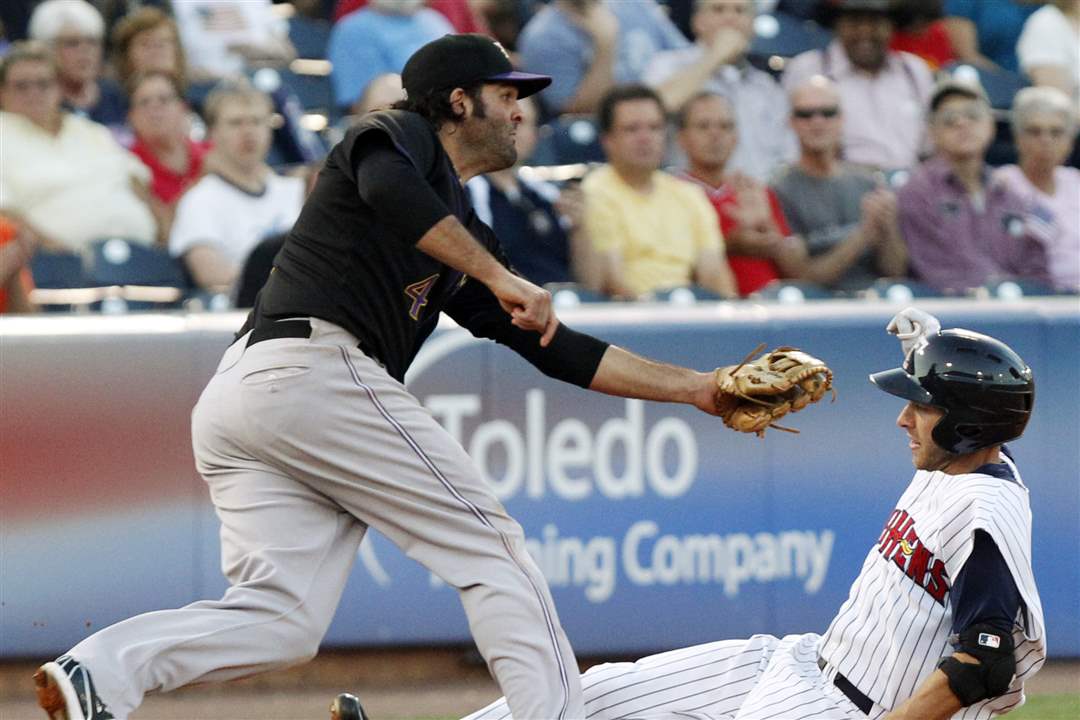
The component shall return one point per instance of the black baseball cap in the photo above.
(461, 61)
(829, 10)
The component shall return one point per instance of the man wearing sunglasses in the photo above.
(963, 228)
(842, 214)
(883, 91)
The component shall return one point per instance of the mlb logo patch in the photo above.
(988, 640)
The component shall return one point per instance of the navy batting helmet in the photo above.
(984, 387)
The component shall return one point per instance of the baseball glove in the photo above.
(754, 394)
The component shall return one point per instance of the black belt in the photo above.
(845, 686)
(291, 328)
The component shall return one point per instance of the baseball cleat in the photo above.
(66, 692)
(346, 706)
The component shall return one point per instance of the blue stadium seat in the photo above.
(569, 294)
(686, 295)
(568, 139)
(1014, 288)
(786, 35)
(309, 36)
(114, 261)
(58, 270)
(900, 290)
(792, 291)
(313, 91)
(1000, 85)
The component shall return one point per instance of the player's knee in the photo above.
(992, 675)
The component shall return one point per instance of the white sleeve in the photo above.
(1044, 40)
(194, 223)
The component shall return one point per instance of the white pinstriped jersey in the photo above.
(887, 638)
(893, 629)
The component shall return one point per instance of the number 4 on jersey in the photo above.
(418, 293)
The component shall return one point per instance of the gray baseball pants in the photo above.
(305, 443)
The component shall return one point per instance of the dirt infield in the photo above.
(426, 683)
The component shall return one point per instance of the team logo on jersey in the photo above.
(900, 543)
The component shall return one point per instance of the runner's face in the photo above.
(919, 421)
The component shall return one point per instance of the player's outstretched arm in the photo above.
(625, 374)
(529, 306)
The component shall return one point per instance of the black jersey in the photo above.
(342, 264)
(358, 266)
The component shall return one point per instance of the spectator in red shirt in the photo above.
(756, 234)
(921, 31)
(160, 119)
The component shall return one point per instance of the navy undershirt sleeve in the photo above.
(571, 356)
(984, 590)
(395, 190)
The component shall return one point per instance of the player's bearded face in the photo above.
(492, 123)
(919, 421)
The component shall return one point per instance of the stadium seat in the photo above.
(1013, 289)
(569, 294)
(786, 35)
(900, 290)
(686, 295)
(1000, 85)
(309, 36)
(57, 270)
(312, 90)
(566, 140)
(792, 291)
(114, 261)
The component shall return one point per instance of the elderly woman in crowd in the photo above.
(161, 122)
(148, 39)
(75, 31)
(1045, 127)
(64, 176)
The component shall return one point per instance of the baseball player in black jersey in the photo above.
(306, 435)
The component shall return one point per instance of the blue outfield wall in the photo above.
(655, 525)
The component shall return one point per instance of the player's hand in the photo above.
(910, 325)
(529, 306)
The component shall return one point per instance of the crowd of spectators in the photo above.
(725, 170)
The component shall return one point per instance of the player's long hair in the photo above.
(435, 105)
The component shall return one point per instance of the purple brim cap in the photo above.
(526, 83)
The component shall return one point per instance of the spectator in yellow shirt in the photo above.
(651, 231)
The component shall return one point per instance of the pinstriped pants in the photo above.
(761, 678)
(305, 443)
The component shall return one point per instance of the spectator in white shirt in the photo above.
(1049, 47)
(227, 213)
